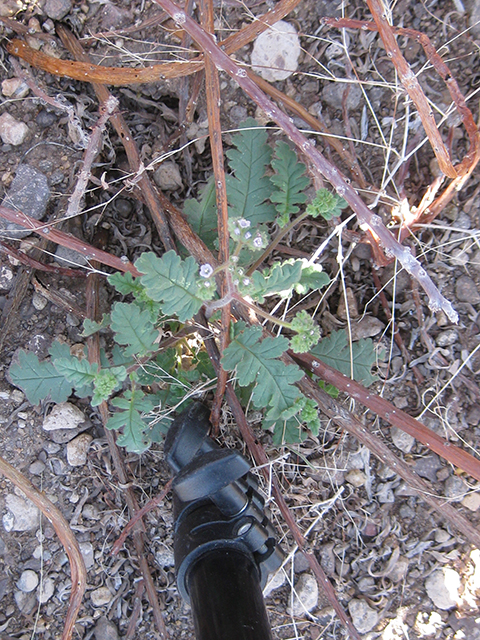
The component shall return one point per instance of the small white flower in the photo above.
(247, 235)
(258, 242)
(233, 259)
(206, 270)
(236, 231)
(244, 223)
(246, 282)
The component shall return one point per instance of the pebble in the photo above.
(427, 467)
(6, 278)
(333, 95)
(39, 302)
(46, 590)
(28, 581)
(327, 558)
(305, 596)
(63, 416)
(402, 440)
(447, 338)
(442, 588)
(36, 468)
(352, 305)
(69, 257)
(164, 557)
(473, 415)
(455, 488)
(105, 630)
(22, 515)
(26, 602)
(472, 501)
(57, 9)
(385, 493)
(168, 177)
(466, 290)
(399, 570)
(29, 192)
(276, 51)
(274, 582)
(86, 549)
(77, 450)
(100, 596)
(45, 119)
(367, 327)
(442, 536)
(364, 617)
(356, 478)
(475, 19)
(14, 88)
(12, 131)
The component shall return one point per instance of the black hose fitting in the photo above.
(224, 544)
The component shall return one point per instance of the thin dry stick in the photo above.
(261, 459)
(133, 155)
(212, 85)
(346, 420)
(68, 540)
(320, 165)
(138, 537)
(394, 416)
(93, 148)
(412, 86)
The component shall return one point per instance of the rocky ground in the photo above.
(397, 567)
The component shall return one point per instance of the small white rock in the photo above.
(25, 514)
(12, 131)
(100, 596)
(276, 51)
(86, 549)
(364, 617)
(28, 581)
(472, 501)
(14, 88)
(168, 177)
(46, 590)
(402, 440)
(274, 582)
(6, 278)
(63, 416)
(442, 587)
(38, 301)
(305, 596)
(77, 450)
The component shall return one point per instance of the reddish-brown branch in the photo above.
(68, 540)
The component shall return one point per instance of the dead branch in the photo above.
(68, 540)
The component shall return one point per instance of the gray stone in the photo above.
(466, 290)
(100, 596)
(327, 558)
(276, 51)
(46, 590)
(333, 94)
(86, 549)
(63, 416)
(305, 596)
(447, 338)
(475, 19)
(22, 514)
(69, 257)
(364, 617)
(472, 501)
(26, 602)
(367, 327)
(6, 278)
(57, 9)
(403, 441)
(427, 467)
(168, 177)
(15, 88)
(105, 630)
(274, 582)
(12, 131)
(36, 468)
(38, 301)
(442, 588)
(77, 450)
(164, 557)
(455, 488)
(29, 193)
(28, 581)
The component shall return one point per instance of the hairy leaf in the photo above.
(290, 181)
(125, 283)
(39, 380)
(335, 351)
(90, 326)
(172, 282)
(257, 361)
(312, 278)
(134, 328)
(202, 214)
(281, 277)
(131, 420)
(249, 190)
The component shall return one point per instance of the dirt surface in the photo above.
(382, 547)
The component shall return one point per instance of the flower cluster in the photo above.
(308, 333)
(241, 233)
(206, 286)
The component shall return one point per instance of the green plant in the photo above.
(144, 383)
